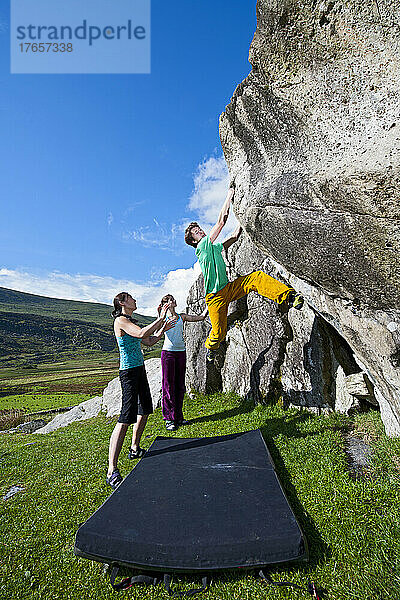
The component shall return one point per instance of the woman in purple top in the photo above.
(173, 364)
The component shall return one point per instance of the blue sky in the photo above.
(99, 173)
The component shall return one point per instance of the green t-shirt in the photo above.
(212, 265)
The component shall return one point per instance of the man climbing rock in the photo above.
(220, 292)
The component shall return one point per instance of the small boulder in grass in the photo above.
(12, 491)
(28, 427)
(81, 412)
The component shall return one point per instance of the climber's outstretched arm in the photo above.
(234, 238)
(223, 216)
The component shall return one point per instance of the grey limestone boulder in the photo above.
(311, 138)
(271, 353)
(247, 361)
(81, 412)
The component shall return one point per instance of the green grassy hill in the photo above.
(35, 329)
(15, 302)
(50, 340)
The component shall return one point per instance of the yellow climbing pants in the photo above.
(218, 303)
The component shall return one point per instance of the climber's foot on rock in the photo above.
(210, 355)
(295, 301)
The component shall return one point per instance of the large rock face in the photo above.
(311, 137)
(298, 356)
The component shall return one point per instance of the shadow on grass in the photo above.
(289, 427)
(244, 407)
(318, 549)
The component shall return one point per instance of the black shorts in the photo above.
(136, 397)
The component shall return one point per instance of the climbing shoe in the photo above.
(115, 479)
(134, 454)
(170, 426)
(295, 301)
(210, 355)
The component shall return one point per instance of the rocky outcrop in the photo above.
(81, 412)
(28, 427)
(112, 395)
(269, 353)
(248, 360)
(311, 138)
(109, 402)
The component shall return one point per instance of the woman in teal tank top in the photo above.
(136, 398)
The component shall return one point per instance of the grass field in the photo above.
(88, 374)
(52, 385)
(57, 384)
(352, 527)
(34, 402)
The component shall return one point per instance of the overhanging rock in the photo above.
(312, 139)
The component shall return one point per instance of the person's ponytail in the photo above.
(121, 297)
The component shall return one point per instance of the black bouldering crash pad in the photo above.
(196, 505)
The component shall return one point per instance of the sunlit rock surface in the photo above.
(311, 138)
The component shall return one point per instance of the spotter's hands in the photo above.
(164, 309)
(169, 324)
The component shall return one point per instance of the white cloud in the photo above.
(93, 288)
(160, 235)
(211, 183)
(178, 283)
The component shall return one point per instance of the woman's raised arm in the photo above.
(142, 332)
(194, 318)
(153, 339)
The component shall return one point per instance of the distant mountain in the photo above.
(92, 312)
(36, 329)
